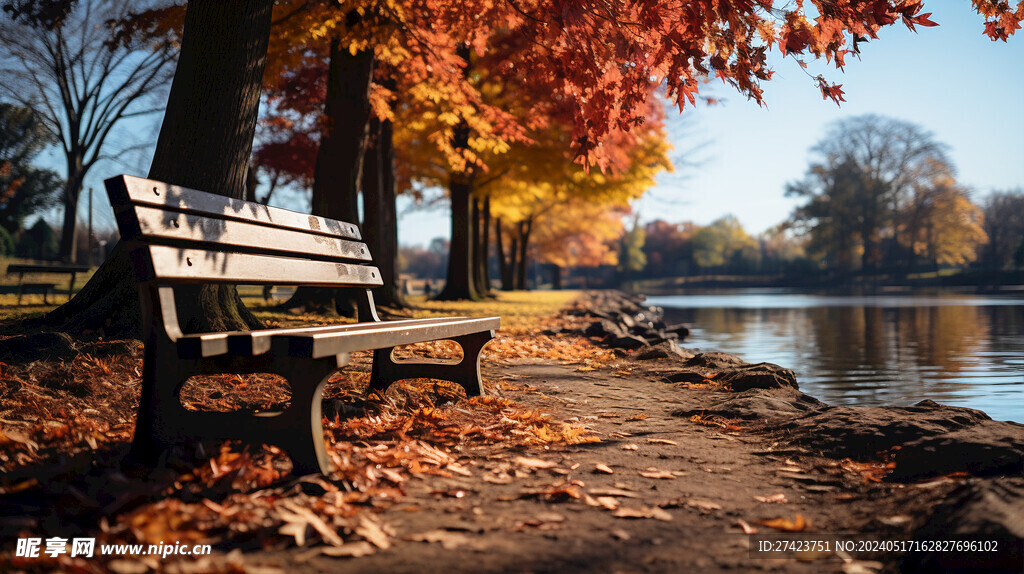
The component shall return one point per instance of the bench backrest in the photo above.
(182, 235)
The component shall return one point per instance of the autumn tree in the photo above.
(542, 189)
(862, 177)
(82, 81)
(24, 188)
(668, 247)
(598, 59)
(205, 143)
(942, 225)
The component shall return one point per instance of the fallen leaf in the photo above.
(550, 517)
(662, 441)
(373, 533)
(704, 506)
(747, 528)
(350, 550)
(620, 534)
(603, 468)
(862, 567)
(329, 535)
(534, 463)
(779, 498)
(613, 492)
(449, 540)
(798, 524)
(652, 472)
(608, 502)
(898, 520)
(645, 512)
(630, 447)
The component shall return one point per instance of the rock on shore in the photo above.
(922, 441)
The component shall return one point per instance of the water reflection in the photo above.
(961, 350)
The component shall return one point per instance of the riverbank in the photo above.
(585, 458)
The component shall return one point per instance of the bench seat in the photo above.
(327, 341)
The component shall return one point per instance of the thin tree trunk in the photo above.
(478, 253)
(504, 263)
(556, 277)
(524, 242)
(339, 163)
(485, 248)
(205, 143)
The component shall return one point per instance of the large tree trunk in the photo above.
(459, 283)
(380, 222)
(339, 163)
(205, 143)
(72, 191)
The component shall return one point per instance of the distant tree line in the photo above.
(880, 197)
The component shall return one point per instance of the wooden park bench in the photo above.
(182, 236)
(48, 269)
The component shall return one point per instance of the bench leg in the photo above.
(465, 373)
(301, 427)
(161, 415)
(163, 422)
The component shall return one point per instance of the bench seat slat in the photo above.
(316, 345)
(251, 343)
(125, 189)
(173, 264)
(182, 227)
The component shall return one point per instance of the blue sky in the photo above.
(951, 80)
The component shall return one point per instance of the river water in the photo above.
(896, 349)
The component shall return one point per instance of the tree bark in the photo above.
(339, 163)
(504, 263)
(380, 223)
(485, 248)
(556, 276)
(72, 191)
(205, 143)
(478, 255)
(459, 283)
(524, 240)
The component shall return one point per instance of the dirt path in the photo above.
(694, 482)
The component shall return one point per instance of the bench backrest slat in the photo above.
(164, 263)
(186, 230)
(125, 190)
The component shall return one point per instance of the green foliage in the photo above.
(724, 242)
(631, 254)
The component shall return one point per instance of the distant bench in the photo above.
(182, 236)
(47, 269)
